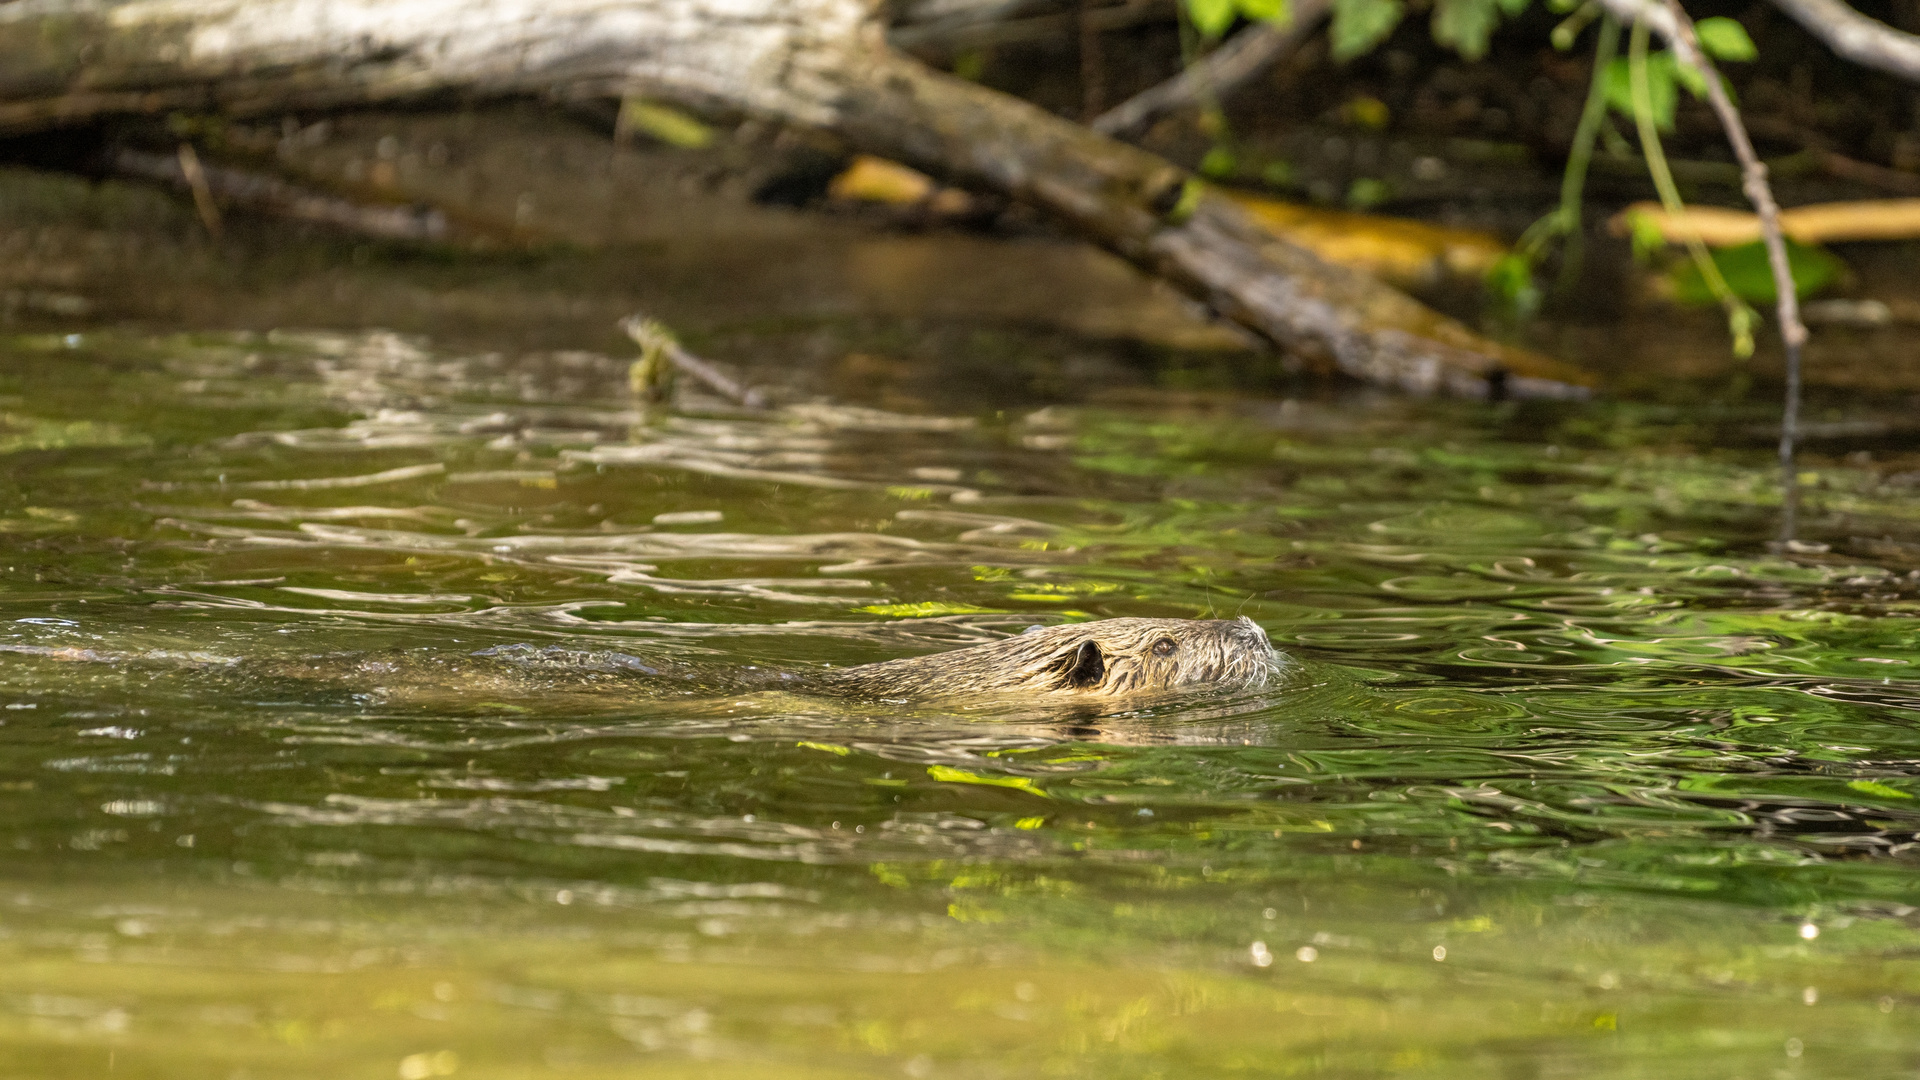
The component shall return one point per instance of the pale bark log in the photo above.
(814, 62)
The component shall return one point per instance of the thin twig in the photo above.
(1793, 332)
(270, 194)
(1574, 182)
(1865, 172)
(1670, 22)
(1212, 77)
(1093, 67)
(196, 178)
(655, 340)
(1739, 316)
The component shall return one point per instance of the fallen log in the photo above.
(1405, 253)
(821, 63)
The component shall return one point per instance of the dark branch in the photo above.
(1242, 57)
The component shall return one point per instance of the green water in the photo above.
(1575, 776)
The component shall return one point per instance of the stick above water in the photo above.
(657, 344)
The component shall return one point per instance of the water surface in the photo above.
(1576, 776)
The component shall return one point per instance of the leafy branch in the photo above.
(1740, 317)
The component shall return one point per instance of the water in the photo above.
(1575, 775)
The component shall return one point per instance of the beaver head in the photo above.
(1106, 658)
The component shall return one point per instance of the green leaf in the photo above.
(1751, 278)
(1684, 74)
(1661, 91)
(1265, 10)
(1648, 238)
(1359, 25)
(1510, 279)
(1725, 39)
(1874, 787)
(1512, 8)
(1367, 111)
(1219, 163)
(970, 64)
(947, 774)
(1510, 276)
(1211, 17)
(1465, 25)
(1367, 192)
(1617, 85)
(665, 123)
(924, 610)
(1191, 192)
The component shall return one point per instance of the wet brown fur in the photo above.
(1095, 660)
(1108, 658)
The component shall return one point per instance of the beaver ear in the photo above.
(1085, 666)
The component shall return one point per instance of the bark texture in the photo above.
(822, 63)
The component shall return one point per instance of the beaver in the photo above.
(1108, 658)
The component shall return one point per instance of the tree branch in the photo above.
(1217, 74)
(1865, 41)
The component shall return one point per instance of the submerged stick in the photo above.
(657, 344)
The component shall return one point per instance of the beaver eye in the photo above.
(1163, 647)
